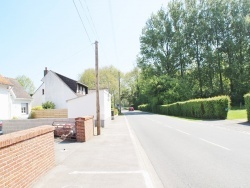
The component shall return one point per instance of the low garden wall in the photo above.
(10, 126)
(25, 156)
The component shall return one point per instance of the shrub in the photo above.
(247, 105)
(37, 108)
(115, 111)
(48, 105)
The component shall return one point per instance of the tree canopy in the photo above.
(196, 49)
(27, 83)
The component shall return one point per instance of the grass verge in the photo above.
(237, 114)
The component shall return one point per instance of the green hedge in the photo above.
(210, 108)
(145, 107)
(247, 105)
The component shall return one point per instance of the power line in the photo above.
(68, 57)
(92, 25)
(86, 17)
(82, 21)
(113, 30)
(94, 30)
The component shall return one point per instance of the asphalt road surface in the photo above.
(194, 154)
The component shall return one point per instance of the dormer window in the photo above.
(80, 89)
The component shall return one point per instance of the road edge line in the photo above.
(150, 175)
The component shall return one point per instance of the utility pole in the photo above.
(98, 123)
(119, 93)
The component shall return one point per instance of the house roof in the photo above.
(5, 81)
(72, 84)
(18, 89)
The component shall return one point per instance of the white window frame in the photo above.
(24, 108)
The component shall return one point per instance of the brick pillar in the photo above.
(80, 130)
(84, 128)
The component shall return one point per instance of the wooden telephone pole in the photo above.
(120, 108)
(98, 123)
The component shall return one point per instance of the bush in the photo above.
(247, 105)
(37, 108)
(115, 111)
(210, 108)
(48, 105)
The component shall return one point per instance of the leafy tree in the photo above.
(26, 83)
(108, 79)
(204, 44)
(88, 78)
(130, 87)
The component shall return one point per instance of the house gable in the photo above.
(14, 100)
(58, 88)
(75, 86)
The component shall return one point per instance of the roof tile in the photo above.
(4, 81)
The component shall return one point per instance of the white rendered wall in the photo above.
(86, 105)
(5, 105)
(106, 105)
(55, 90)
(38, 98)
(16, 109)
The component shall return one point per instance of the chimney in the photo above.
(45, 71)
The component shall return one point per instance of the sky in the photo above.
(35, 34)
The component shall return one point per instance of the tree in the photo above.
(204, 44)
(108, 79)
(130, 87)
(26, 83)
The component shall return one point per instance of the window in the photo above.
(24, 108)
(43, 91)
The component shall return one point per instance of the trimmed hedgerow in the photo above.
(210, 108)
(145, 107)
(247, 105)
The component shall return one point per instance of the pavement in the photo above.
(111, 160)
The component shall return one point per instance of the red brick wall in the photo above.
(84, 128)
(25, 156)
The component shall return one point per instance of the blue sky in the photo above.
(35, 34)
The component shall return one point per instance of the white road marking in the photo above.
(150, 176)
(182, 132)
(106, 172)
(215, 144)
(147, 178)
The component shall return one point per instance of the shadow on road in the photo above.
(135, 113)
(244, 123)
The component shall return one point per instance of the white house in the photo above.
(15, 101)
(86, 105)
(57, 89)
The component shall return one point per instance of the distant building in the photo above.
(15, 101)
(57, 89)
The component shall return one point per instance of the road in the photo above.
(195, 154)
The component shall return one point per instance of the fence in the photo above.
(50, 113)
